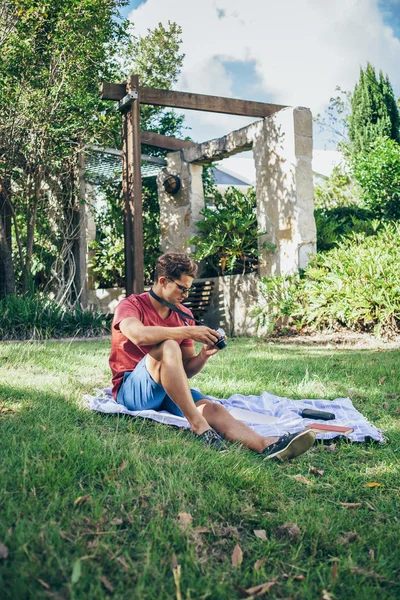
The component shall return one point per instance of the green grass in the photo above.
(136, 476)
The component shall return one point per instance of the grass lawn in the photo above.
(90, 503)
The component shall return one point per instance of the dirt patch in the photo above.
(348, 339)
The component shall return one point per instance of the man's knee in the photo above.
(213, 410)
(170, 349)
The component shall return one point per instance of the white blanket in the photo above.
(287, 413)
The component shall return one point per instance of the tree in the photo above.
(373, 111)
(54, 54)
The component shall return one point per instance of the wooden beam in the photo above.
(164, 141)
(185, 100)
(112, 91)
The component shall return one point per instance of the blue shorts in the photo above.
(139, 391)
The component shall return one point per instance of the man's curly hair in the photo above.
(173, 265)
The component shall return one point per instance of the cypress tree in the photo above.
(374, 111)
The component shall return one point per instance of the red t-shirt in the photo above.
(125, 355)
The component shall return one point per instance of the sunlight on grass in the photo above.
(105, 491)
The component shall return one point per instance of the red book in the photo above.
(323, 427)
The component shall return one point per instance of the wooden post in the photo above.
(132, 178)
(128, 209)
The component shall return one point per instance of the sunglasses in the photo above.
(183, 289)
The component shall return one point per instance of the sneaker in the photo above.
(211, 438)
(290, 445)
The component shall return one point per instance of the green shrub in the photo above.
(336, 223)
(27, 317)
(227, 241)
(355, 285)
(377, 172)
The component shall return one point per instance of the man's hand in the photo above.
(209, 350)
(205, 335)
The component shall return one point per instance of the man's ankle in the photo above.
(199, 428)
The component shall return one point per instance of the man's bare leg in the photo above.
(164, 363)
(230, 428)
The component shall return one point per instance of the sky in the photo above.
(291, 52)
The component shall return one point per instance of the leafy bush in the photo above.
(335, 223)
(39, 318)
(356, 285)
(228, 238)
(377, 171)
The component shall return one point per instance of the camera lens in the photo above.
(221, 344)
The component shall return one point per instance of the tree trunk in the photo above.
(7, 276)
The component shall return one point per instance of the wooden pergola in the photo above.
(129, 96)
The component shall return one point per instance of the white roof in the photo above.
(243, 167)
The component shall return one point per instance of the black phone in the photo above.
(312, 413)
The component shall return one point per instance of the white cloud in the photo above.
(302, 48)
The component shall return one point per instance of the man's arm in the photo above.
(192, 362)
(147, 335)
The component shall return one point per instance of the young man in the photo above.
(153, 356)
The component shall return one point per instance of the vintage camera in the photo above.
(221, 344)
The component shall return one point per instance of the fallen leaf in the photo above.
(3, 551)
(123, 465)
(261, 533)
(335, 567)
(107, 584)
(260, 590)
(326, 595)
(302, 479)
(350, 504)
(237, 556)
(289, 531)
(372, 554)
(174, 561)
(256, 591)
(185, 519)
(6, 409)
(116, 522)
(76, 571)
(201, 530)
(385, 405)
(82, 500)
(44, 429)
(299, 578)
(259, 563)
(315, 471)
(382, 379)
(330, 448)
(373, 484)
(43, 583)
(348, 537)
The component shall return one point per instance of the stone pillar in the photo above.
(179, 212)
(282, 150)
